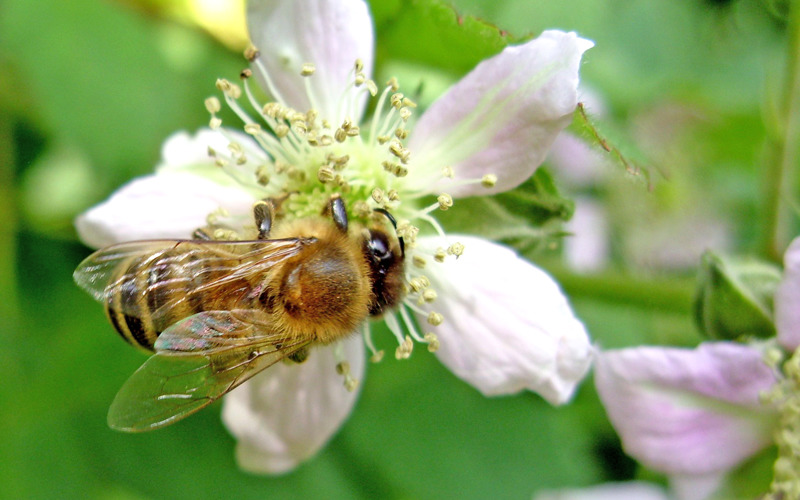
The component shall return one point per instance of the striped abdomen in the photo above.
(153, 292)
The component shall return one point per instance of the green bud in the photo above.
(734, 298)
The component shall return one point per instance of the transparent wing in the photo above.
(198, 360)
(208, 265)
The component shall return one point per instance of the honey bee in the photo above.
(215, 313)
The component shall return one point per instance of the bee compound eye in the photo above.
(379, 246)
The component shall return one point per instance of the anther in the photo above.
(396, 100)
(393, 195)
(343, 368)
(448, 172)
(362, 209)
(252, 128)
(445, 201)
(262, 175)
(429, 295)
(245, 74)
(214, 123)
(489, 180)
(251, 53)
(282, 130)
(372, 88)
(350, 383)
(439, 255)
(419, 261)
(340, 135)
(325, 174)
(392, 84)
(377, 357)
(433, 342)
(435, 318)
(212, 105)
(456, 249)
(308, 69)
(378, 196)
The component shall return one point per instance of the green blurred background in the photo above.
(88, 91)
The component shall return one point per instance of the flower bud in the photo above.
(734, 297)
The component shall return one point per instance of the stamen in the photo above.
(343, 368)
(433, 342)
(405, 349)
(377, 355)
(410, 325)
(394, 327)
(445, 201)
(489, 180)
(308, 69)
(435, 318)
(271, 88)
(456, 249)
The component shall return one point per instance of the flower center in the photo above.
(785, 395)
(309, 157)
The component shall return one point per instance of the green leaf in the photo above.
(432, 32)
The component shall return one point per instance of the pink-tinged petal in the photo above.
(787, 299)
(167, 205)
(284, 415)
(501, 118)
(587, 249)
(507, 326)
(695, 486)
(629, 490)
(331, 34)
(687, 411)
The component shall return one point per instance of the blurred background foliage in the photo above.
(689, 91)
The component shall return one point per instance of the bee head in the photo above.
(386, 266)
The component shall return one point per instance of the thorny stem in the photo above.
(784, 160)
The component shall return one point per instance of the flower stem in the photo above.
(784, 154)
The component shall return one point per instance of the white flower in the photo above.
(501, 324)
(696, 414)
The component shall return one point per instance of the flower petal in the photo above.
(167, 205)
(507, 326)
(629, 490)
(501, 118)
(331, 34)
(787, 299)
(687, 411)
(284, 415)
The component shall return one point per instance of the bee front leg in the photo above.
(338, 212)
(264, 213)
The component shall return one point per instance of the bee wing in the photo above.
(104, 274)
(198, 360)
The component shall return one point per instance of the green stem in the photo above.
(8, 242)
(785, 151)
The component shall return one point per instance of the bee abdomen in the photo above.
(152, 294)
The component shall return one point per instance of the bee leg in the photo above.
(264, 213)
(338, 212)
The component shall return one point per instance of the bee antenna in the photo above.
(394, 225)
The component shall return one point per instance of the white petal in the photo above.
(183, 149)
(787, 299)
(687, 411)
(630, 490)
(501, 118)
(168, 205)
(284, 415)
(507, 326)
(331, 34)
